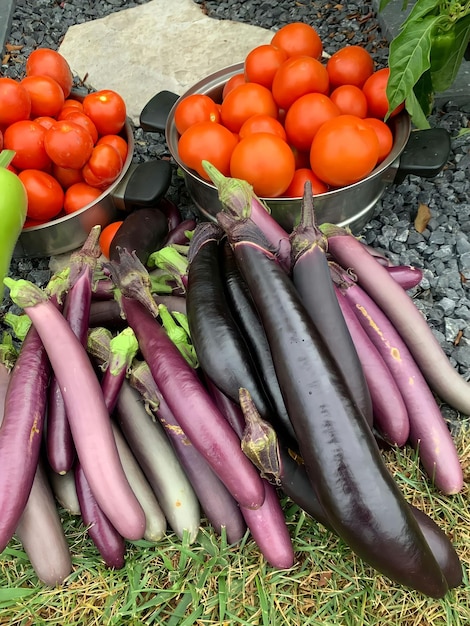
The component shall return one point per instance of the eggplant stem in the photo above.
(259, 441)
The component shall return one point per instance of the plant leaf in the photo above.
(445, 76)
(421, 9)
(409, 58)
(416, 112)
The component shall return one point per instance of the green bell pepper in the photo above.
(443, 43)
(13, 208)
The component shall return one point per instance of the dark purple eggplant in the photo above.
(143, 231)
(360, 497)
(222, 350)
(178, 234)
(311, 277)
(244, 312)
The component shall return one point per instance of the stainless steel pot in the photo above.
(137, 186)
(423, 153)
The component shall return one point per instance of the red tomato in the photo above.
(82, 120)
(45, 195)
(107, 110)
(344, 151)
(78, 196)
(27, 139)
(351, 65)
(107, 235)
(193, 109)
(384, 135)
(297, 185)
(350, 100)
(47, 97)
(71, 102)
(1, 140)
(262, 63)
(118, 142)
(265, 161)
(207, 141)
(104, 165)
(305, 117)
(45, 120)
(296, 77)
(46, 62)
(262, 124)
(68, 144)
(234, 81)
(297, 38)
(15, 102)
(66, 176)
(243, 102)
(375, 90)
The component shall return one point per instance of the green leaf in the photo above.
(424, 92)
(416, 112)
(409, 59)
(421, 9)
(445, 76)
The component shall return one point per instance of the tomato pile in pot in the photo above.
(291, 116)
(67, 151)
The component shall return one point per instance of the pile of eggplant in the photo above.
(208, 368)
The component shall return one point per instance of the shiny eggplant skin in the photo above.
(244, 311)
(143, 231)
(220, 346)
(358, 494)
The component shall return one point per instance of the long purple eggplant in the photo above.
(104, 535)
(59, 442)
(428, 430)
(222, 350)
(218, 505)
(87, 413)
(360, 497)
(193, 408)
(161, 466)
(311, 278)
(22, 430)
(389, 409)
(400, 309)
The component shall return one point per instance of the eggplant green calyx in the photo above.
(307, 235)
(98, 345)
(178, 336)
(122, 350)
(8, 352)
(132, 279)
(141, 379)
(20, 324)
(259, 442)
(333, 230)
(59, 284)
(235, 194)
(170, 260)
(24, 293)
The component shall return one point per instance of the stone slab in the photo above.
(7, 8)
(390, 20)
(157, 46)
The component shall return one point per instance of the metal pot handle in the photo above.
(154, 115)
(142, 185)
(425, 154)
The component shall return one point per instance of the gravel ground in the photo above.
(442, 250)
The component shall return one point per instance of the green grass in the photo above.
(212, 583)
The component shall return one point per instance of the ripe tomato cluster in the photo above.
(291, 116)
(67, 152)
